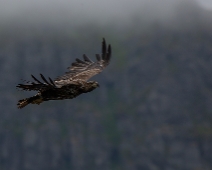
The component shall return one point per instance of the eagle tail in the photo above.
(33, 100)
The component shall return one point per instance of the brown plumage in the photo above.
(70, 85)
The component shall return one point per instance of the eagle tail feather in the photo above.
(33, 100)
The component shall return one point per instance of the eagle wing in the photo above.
(82, 70)
(37, 85)
(79, 71)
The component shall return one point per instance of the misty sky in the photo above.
(87, 9)
(14, 7)
(206, 3)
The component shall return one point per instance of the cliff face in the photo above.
(152, 111)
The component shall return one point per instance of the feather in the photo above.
(44, 79)
(98, 57)
(51, 81)
(87, 58)
(109, 53)
(103, 49)
(80, 61)
(36, 79)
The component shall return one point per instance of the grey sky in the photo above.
(87, 9)
(206, 3)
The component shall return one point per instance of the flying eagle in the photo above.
(70, 85)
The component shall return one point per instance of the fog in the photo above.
(76, 12)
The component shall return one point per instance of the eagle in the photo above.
(71, 84)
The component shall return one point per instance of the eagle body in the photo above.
(68, 91)
(65, 92)
(70, 85)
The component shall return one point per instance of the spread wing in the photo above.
(37, 85)
(82, 70)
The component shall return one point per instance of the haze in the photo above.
(78, 11)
